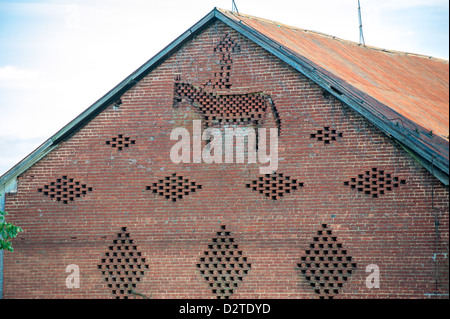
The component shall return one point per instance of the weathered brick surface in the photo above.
(395, 230)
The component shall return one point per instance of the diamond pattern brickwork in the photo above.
(375, 182)
(65, 189)
(123, 265)
(275, 185)
(223, 265)
(120, 141)
(326, 265)
(326, 135)
(174, 187)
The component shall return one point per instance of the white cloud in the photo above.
(13, 73)
(73, 16)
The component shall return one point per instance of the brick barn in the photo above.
(361, 186)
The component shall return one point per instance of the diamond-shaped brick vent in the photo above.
(122, 265)
(275, 185)
(65, 189)
(326, 265)
(223, 265)
(326, 135)
(174, 187)
(120, 142)
(375, 182)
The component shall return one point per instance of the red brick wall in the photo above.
(395, 230)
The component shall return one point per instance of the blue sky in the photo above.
(58, 57)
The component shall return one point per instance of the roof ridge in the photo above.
(333, 37)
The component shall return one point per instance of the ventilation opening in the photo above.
(223, 265)
(122, 265)
(65, 189)
(375, 182)
(120, 142)
(174, 187)
(274, 186)
(325, 265)
(326, 135)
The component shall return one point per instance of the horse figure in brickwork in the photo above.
(248, 109)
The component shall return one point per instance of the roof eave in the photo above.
(431, 167)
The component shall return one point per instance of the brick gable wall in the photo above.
(225, 236)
